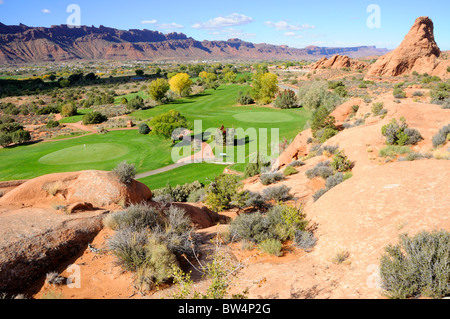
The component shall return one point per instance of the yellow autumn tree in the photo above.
(181, 84)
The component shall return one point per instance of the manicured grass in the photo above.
(213, 107)
(29, 161)
(76, 118)
(142, 94)
(202, 172)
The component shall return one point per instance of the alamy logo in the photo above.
(374, 20)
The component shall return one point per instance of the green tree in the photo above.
(158, 89)
(165, 124)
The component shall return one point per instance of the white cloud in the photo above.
(149, 21)
(231, 20)
(233, 33)
(170, 26)
(45, 11)
(284, 25)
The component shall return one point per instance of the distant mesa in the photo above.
(23, 44)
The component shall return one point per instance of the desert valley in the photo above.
(109, 189)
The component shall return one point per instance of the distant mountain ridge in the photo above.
(23, 44)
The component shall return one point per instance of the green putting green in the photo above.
(85, 153)
(263, 117)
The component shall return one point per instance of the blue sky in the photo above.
(296, 23)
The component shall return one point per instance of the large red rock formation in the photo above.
(418, 52)
(339, 62)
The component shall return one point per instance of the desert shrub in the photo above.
(316, 95)
(94, 117)
(52, 124)
(128, 246)
(332, 85)
(245, 99)
(296, 164)
(279, 223)
(5, 139)
(305, 240)
(414, 156)
(286, 100)
(442, 136)
(53, 278)
(325, 134)
(136, 216)
(393, 151)
(257, 201)
(377, 108)
(417, 93)
(157, 266)
(277, 193)
(399, 93)
(271, 246)
(322, 169)
(334, 180)
(224, 192)
(68, 110)
(144, 129)
(125, 172)
(136, 103)
(399, 134)
(253, 169)
(341, 91)
(340, 256)
(196, 196)
(417, 266)
(319, 194)
(340, 162)
(271, 178)
(179, 193)
(321, 119)
(288, 171)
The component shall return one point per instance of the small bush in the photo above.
(94, 117)
(341, 256)
(286, 100)
(125, 172)
(319, 194)
(398, 133)
(53, 278)
(271, 178)
(277, 193)
(144, 129)
(377, 108)
(296, 164)
(334, 180)
(52, 124)
(341, 163)
(245, 99)
(272, 247)
(417, 266)
(323, 169)
(442, 136)
(305, 240)
(224, 192)
(399, 93)
(393, 151)
(288, 171)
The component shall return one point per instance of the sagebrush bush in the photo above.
(289, 170)
(277, 193)
(279, 223)
(341, 163)
(334, 180)
(271, 246)
(286, 100)
(305, 240)
(319, 194)
(271, 178)
(322, 169)
(398, 133)
(394, 150)
(417, 266)
(224, 192)
(296, 164)
(442, 136)
(125, 172)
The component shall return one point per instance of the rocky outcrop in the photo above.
(99, 188)
(339, 62)
(418, 52)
